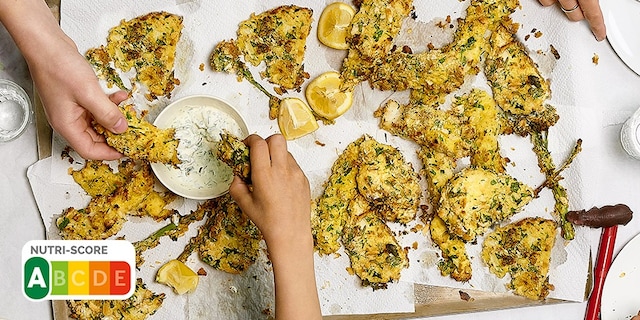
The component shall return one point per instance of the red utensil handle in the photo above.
(603, 262)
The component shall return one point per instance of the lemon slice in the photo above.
(178, 276)
(295, 118)
(325, 98)
(333, 26)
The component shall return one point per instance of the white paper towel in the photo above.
(88, 22)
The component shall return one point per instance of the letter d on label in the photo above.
(36, 278)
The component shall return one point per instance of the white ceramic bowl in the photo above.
(206, 180)
(15, 110)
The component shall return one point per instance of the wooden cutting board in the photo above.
(430, 300)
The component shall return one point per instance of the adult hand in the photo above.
(577, 10)
(67, 85)
(279, 203)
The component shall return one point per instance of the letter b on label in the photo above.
(36, 278)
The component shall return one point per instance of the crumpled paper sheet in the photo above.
(205, 25)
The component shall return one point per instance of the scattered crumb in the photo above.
(595, 59)
(66, 153)
(527, 37)
(266, 311)
(320, 143)
(233, 289)
(534, 30)
(202, 272)
(538, 34)
(465, 296)
(414, 245)
(201, 67)
(350, 271)
(622, 275)
(430, 46)
(555, 52)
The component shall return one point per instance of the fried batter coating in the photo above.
(228, 241)
(439, 169)
(387, 180)
(455, 261)
(142, 304)
(148, 44)
(234, 153)
(518, 87)
(331, 209)
(97, 178)
(277, 37)
(376, 256)
(143, 140)
(522, 249)
(105, 215)
(373, 29)
(474, 199)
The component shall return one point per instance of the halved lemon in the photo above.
(295, 118)
(325, 98)
(333, 25)
(178, 276)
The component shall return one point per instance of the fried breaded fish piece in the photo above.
(234, 153)
(387, 180)
(517, 85)
(147, 44)
(475, 198)
(522, 249)
(376, 256)
(105, 215)
(331, 211)
(228, 241)
(439, 169)
(455, 261)
(278, 38)
(97, 178)
(142, 304)
(143, 140)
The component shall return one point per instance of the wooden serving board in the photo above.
(430, 300)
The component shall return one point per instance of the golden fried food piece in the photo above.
(373, 29)
(97, 178)
(142, 304)
(105, 215)
(376, 256)
(332, 206)
(518, 87)
(428, 126)
(234, 153)
(483, 125)
(455, 261)
(101, 61)
(278, 38)
(143, 140)
(522, 249)
(387, 180)
(146, 43)
(474, 199)
(228, 241)
(439, 169)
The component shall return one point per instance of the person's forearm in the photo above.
(295, 282)
(33, 28)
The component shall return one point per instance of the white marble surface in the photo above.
(608, 89)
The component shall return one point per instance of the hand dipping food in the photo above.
(198, 121)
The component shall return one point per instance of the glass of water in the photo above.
(15, 110)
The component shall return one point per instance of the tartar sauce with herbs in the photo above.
(199, 134)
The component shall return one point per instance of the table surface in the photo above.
(608, 88)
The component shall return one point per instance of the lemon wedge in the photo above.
(325, 98)
(295, 118)
(178, 276)
(333, 25)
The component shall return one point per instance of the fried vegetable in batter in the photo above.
(278, 38)
(97, 178)
(228, 241)
(105, 215)
(331, 209)
(455, 261)
(142, 304)
(147, 44)
(234, 153)
(522, 249)
(143, 140)
(376, 256)
(475, 199)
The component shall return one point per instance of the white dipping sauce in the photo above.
(199, 134)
